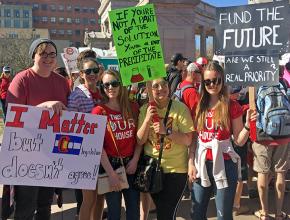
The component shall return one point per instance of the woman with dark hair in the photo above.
(83, 99)
(119, 145)
(216, 163)
(177, 137)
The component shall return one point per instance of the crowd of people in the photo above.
(207, 149)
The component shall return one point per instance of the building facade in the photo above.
(65, 20)
(186, 27)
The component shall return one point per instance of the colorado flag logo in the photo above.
(67, 144)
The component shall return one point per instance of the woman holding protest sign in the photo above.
(83, 99)
(217, 119)
(120, 147)
(177, 134)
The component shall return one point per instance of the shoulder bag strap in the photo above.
(163, 136)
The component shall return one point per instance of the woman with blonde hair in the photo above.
(120, 145)
(216, 163)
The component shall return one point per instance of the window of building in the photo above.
(7, 13)
(52, 19)
(92, 10)
(77, 32)
(35, 6)
(68, 8)
(69, 32)
(26, 23)
(61, 32)
(16, 13)
(68, 20)
(35, 19)
(26, 13)
(77, 44)
(61, 8)
(44, 19)
(16, 23)
(77, 9)
(99, 21)
(44, 7)
(85, 21)
(52, 7)
(13, 35)
(78, 21)
(7, 23)
(209, 46)
(85, 9)
(53, 31)
(93, 21)
(61, 20)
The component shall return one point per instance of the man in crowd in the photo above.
(38, 86)
(175, 72)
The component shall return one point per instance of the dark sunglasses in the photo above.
(92, 70)
(214, 81)
(7, 72)
(113, 83)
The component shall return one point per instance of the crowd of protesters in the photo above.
(207, 148)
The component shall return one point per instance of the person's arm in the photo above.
(241, 131)
(143, 131)
(191, 155)
(132, 165)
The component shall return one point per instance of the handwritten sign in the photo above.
(253, 29)
(69, 58)
(251, 70)
(137, 44)
(41, 148)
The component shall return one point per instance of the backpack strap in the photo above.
(184, 88)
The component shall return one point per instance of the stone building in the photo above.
(185, 26)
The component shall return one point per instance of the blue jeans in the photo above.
(224, 198)
(132, 202)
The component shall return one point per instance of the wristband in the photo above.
(247, 128)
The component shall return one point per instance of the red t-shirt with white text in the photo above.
(220, 133)
(124, 132)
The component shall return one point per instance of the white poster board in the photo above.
(69, 58)
(41, 148)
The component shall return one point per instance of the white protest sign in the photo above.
(41, 148)
(69, 58)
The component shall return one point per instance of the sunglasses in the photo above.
(114, 84)
(91, 70)
(214, 81)
(161, 84)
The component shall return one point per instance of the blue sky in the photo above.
(224, 3)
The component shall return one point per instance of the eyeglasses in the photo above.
(161, 84)
(113, 83)
(91, 70)
(214, 81)
(50, 55)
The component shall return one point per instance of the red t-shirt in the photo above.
(206, 135)
(190, 97)
(28, 88)
(5, 82)
(123, 130)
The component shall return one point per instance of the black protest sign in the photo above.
(253, 29)
(251, 70)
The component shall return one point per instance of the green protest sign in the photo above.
(137, 44)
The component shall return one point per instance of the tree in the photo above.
(14, 52)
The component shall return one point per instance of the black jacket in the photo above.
(174, 78)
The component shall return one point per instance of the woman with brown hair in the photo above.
(216, 163)
(119, 145)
